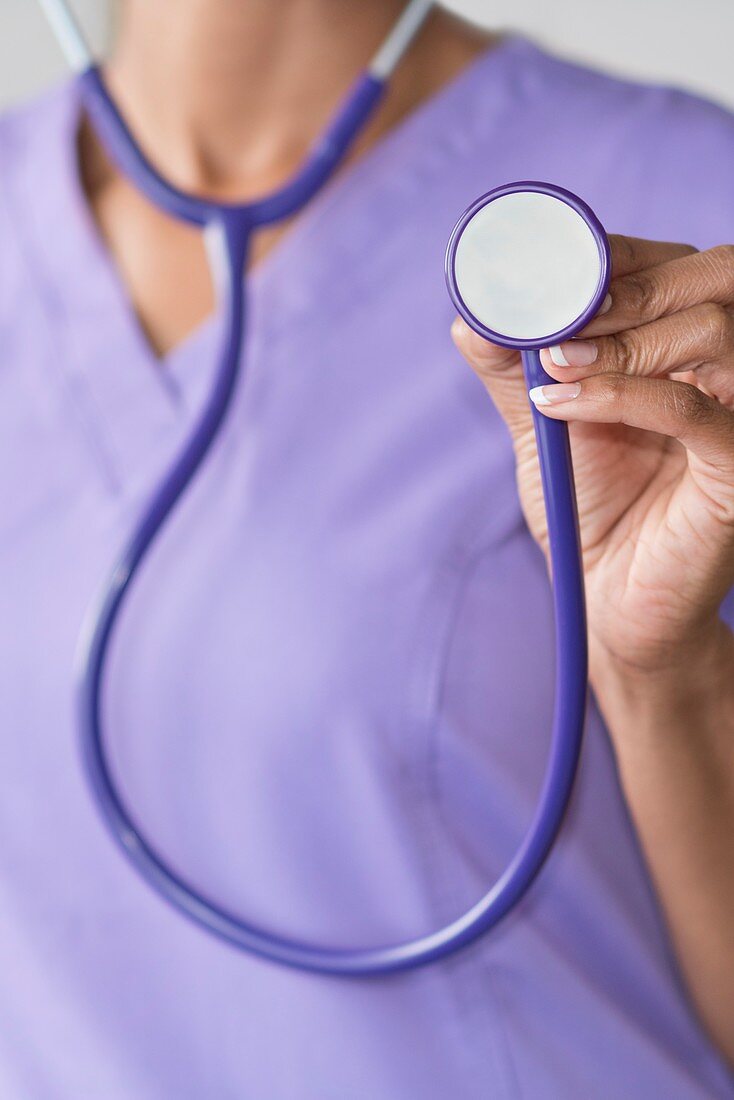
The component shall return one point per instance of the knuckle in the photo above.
(690, 404)
(613, 388)
(717, 325)
(626, 353)
(641, 294)
(724, 255)
(626, 249)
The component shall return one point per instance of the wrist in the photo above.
(701, 663)
(688, 690)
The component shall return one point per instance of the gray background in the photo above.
(685, 42)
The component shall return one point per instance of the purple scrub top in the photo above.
(321, 705)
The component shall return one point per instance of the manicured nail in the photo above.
(605, 306)
(574, 353)
(553, 395)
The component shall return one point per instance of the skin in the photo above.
(652, 433)
(225, 98)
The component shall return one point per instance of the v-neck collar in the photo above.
(138, 392)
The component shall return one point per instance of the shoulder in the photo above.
(661, 159)
(26, 126)
(591, 97)
(31, 135)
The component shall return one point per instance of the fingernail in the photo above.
(574, 353)
(605, 306)
(553, 395)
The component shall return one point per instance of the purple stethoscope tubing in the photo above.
(325, 156)
(234, 224)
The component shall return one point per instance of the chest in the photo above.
(286, 635)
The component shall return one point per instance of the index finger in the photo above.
(631, 254)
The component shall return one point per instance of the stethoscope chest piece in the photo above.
(528, 265)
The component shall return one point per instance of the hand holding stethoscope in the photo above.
(649, 395)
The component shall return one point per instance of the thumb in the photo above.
(500, 369)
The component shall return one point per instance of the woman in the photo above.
(320, 703)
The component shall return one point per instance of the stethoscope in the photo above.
(527, 266)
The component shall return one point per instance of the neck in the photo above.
(228, 96)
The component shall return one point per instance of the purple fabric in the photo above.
(320, 705)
